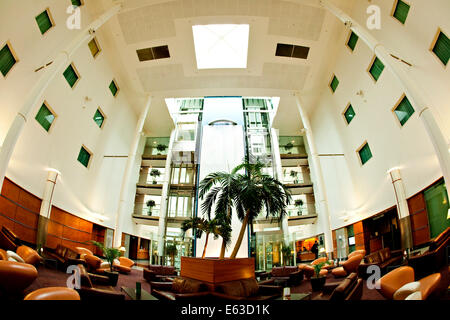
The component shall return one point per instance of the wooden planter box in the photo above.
(213, 271)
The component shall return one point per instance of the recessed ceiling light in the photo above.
(220, 46)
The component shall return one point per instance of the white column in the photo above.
(165, 199)
(402, 208)
(35, 95)
(319, 185)
(124, 191)
(412, 90)
(46, 208)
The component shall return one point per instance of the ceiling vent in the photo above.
(292, 51)
(154, 53)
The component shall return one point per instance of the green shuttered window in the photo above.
(365, 154)
(376, 69)
(76, 3)
(7, 60)
(45, 117)
(401, 11)
(93, 46)
(84, 156)
(99, 118)
(442, 48)
(352, 41)
(334, 84)
(113, 88)
(71, 76)
(44, 22)
(404, 111)
(349, 114)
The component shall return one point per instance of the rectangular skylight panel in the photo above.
(221, 46)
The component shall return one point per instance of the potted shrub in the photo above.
(161, 148)
(288, 147)
(318, 281)
(286, 251)
(150, 205)
(110, 254)
(299, 204)
(171, 251)
(155, 173)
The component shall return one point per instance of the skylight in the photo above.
(220, 46)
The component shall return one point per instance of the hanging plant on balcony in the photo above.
(155, 173)
(294, 175)
(288, 147)
(161, 148)
(299, 204)
(150, 205)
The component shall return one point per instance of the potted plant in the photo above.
(161, 148)
(288, 147)
(150, 205)
(110, 254)
(155, 173)
(299, 204)
(286, 251)
(171, 251)
(318, 281)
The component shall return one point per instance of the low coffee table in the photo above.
(131, 292)
(297, 296)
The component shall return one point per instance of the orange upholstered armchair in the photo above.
(93, 263)
(357, 252)
(83, 252)
(125, 265)
(29, 255)
(15, 277)
(308, 270)
(53, 293)
(390, 284)
(3, 255)
(349, 266)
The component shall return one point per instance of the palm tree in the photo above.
(249, 193)
(217, 227)
(257, 192)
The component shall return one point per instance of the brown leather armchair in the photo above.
(64, 256)
(29, 255)
(15, 277)
(292, 275)
(180, 289)
(246, 289)
(96, 287)
(308, 270)
(83, 252)
(350, 288)
(93, 264)
(434, 259)
(53, 293)
(348, 266)
(382, 258)
(397, 278)
(3, 255)
(158, 273)
(356, 252)
(8, 240)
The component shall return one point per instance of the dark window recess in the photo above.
(292, 51)
(154, 53)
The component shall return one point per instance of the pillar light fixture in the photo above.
(54, 170)
(448, 214)
(393, 169)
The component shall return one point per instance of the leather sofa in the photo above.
(158, 273)
(351, 288)
(29, 255)
(180, 289)
(434, 259)
(349, 266)
(246, 289)
(96, 287)
(53, 293)
(64, 256)
(292, 275)
(382, 258)
(397, 278)
(15, 277)
(8, 240)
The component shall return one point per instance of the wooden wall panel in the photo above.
(333, 233)
(419, 219)
(358, 230)
(19, 211)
